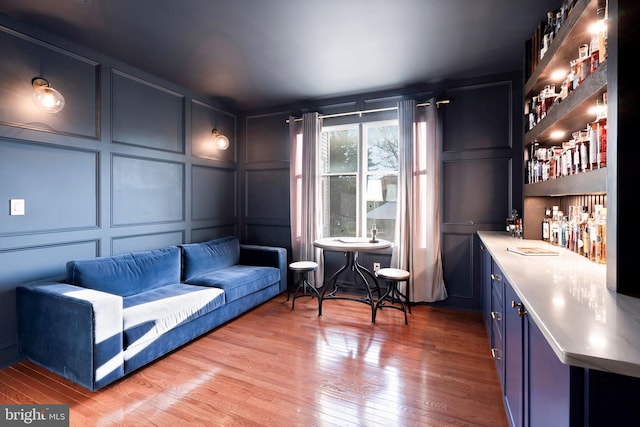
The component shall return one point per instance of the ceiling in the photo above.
(253, 54)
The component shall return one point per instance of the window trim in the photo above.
(362, 173)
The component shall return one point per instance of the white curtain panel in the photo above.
(306, 208)
(417, 247)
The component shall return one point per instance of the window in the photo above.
(359, 176)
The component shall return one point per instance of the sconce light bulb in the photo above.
(45, 97)
(220, 140)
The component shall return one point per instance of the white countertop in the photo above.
(586, 324)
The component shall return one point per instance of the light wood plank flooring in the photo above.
(277, 367)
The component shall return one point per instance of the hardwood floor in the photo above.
(277, 367)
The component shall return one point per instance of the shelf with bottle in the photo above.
(574, 32)
(576, 62)
(581, 231)
(593, 182)
(583, 153)
(573, 112)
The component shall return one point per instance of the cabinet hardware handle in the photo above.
(521, 311)
(495, 354)
(496, 277)
(495, 315)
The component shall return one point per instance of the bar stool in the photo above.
(393, 276)
(303, 268)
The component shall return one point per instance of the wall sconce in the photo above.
(45, 97)
(221, 141)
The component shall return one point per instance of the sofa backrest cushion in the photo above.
(127, 274)
(205, 257)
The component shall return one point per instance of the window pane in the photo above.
(342, 153)
(382, 142)
(340, 193)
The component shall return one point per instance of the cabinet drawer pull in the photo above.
(496, 315)
(496, 277)
(495, 353)
(521, 311)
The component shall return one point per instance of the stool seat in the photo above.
(303, 268)
(393, 276)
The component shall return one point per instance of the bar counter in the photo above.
(586, 324)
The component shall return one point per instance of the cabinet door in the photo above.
(485, 283)
(480, 180)
(497, 322)
(549, 394)
(513, 387)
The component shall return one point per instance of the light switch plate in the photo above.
(17, 207)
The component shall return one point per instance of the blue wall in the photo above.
(126, 166)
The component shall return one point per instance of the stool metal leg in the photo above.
(392, 292)
(405, 295)
(307, 289)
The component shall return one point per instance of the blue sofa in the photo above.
(112, 315)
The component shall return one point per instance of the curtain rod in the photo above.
(375, 110)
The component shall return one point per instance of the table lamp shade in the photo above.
(374, 190)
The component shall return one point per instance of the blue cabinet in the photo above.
(497, 316)
(514, 360)
(548, 383)
(485, 286)
(538, 390)
(541, 386)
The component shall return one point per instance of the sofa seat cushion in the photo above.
(127, 274)
(205, 257)
(150, 314)
(239, 280)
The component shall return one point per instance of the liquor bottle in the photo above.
(549, 97)
(584, 150)
(584, 63)
(594, 51)
(543, 164)
(545, 224)
(552, 223)
(552, 162)
(595, 238)
(557, 156)
(583, 232)
(593, 146)
(547, 34)
(564, 232)
(571, 228)
(575, 73)
(533, 112)
(558, 22)
(532, 166)
(575, 156)
(601, 120)
(567, 157)
(564, 10)
(601, 225)
(602, 12)
(529, 165)
(556, 228)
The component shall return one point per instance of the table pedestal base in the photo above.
(368, 279)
